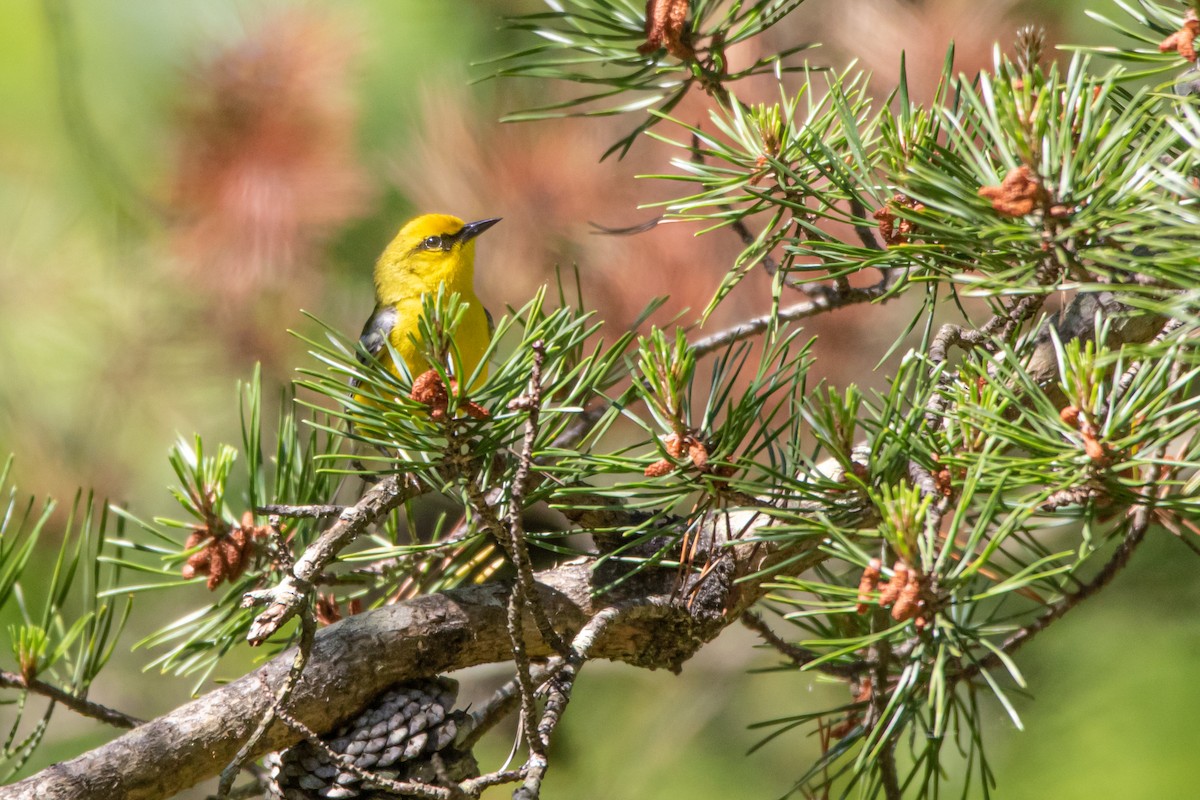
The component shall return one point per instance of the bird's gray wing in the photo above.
(374, 335)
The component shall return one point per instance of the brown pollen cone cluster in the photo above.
(1018, 194)
(1182, 41)
(892, 232)
(943, 479)
(863, 690)
(905, 593)
(328, 611)
(227, 553)
(428, 389)
(1096, 450)
(676, 445)
(666, 26)
(867, 584)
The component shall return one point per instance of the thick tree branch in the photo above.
(360, 656)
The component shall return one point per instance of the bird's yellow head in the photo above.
(429, 250)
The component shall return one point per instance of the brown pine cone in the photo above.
(394, 737)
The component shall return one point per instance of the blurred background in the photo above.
(178, 180)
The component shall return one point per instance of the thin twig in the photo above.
(283, 553)
(558, 695)
(999, 326)
(801, 656)
(315, 511)
(879, 655)
(80, 705)
(308, 629)
(532, 403)
(865, 234)
(581, 425)
(888, 775)
(502, 702)
(951, 335)
(286, 598)
(1139, 522)
(256, 788)
(923, 480)
(823, 298)
(1002, 325)
(475, 786)
(523, 593)
(1127, 378)
(516, 602)
(828, 300)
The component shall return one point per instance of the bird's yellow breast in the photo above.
(471, 338)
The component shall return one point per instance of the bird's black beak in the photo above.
(473, 229)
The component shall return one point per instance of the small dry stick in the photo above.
(819, 304)
(519, 550)
(502, 702)
(559, 688)
(1130, 374)
(879, 655)
(119, 719)
(255, 788)
(801, 656)
(516, 603)
(301, 512)
(286, 598)
(308, 629)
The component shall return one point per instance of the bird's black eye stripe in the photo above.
(433, 243)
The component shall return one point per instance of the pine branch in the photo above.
(828, 300)
(80, 705)
(800, 656)
(302, 512)
(1139, 523)
(284, 600)
(360, 656)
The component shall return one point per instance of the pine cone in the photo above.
(394, 737)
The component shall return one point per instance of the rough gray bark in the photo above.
(1078, 321)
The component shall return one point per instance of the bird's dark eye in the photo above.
(432, 243)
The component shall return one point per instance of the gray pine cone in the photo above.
(394, 737)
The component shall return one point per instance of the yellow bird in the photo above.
(430, 251)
